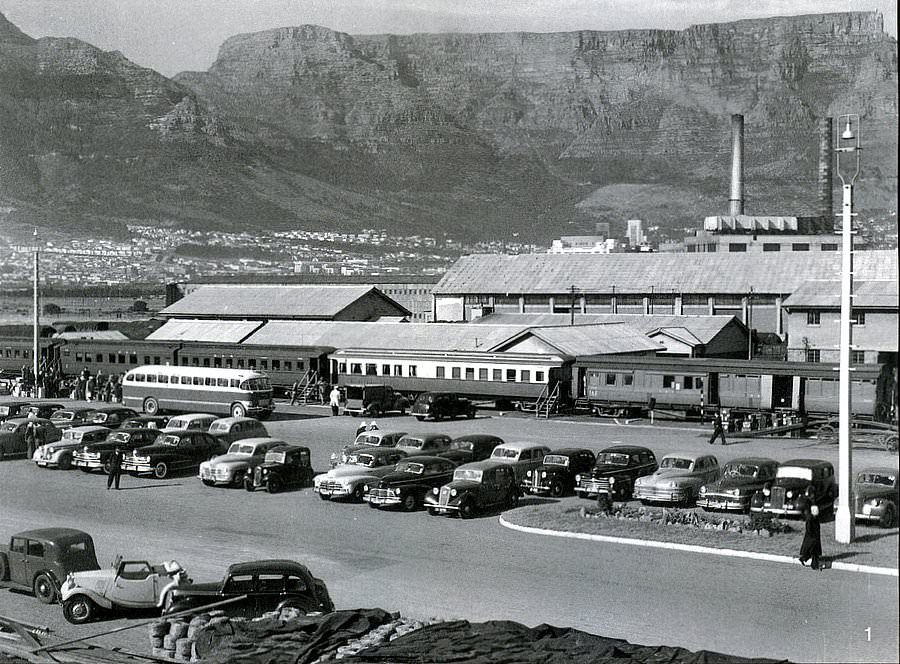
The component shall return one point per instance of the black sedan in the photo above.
(410, 480)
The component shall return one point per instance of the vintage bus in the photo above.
(238, 392)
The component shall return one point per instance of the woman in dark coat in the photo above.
(811, 548)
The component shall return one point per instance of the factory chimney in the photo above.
(736, 200)
(826, 156)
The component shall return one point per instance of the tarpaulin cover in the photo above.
(504, 642)
(275, 641)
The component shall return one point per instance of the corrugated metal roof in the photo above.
(351, 334)
(105, 335)
(737, 273)
(252, 301)
(214, 331)
(608, 339)
(827, 293)
(704, 328)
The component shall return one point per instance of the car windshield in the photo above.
(219, 426)
(120, 437)
(72, 435)
(63, 416)
(10, 426)
(556, 460)
(240, 448)
(101, 417)
(877, 478)
(368, 439)
(177, 423)
(504, 453)
(171, 441)
(4, 410)
(466, 474)
(410, 467)
(795, 472)
(366, 460)
(462, 445)
(740, 470)
(275, 457)
(426, 398)
(612, 459)
(676, 462)
(411, 442)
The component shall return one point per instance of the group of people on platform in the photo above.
(54, 385)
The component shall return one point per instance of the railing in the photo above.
(308, 389)
(547, 401)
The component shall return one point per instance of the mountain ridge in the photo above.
(468, 134)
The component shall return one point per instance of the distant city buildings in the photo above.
(636, 237)
(758, 234)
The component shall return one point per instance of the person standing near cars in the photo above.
(811, 547)
(31, 435)
(718, 430)
(115, 469)
(295, 392)
(334, 400)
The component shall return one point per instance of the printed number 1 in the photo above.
(868, 631)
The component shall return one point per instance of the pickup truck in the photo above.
(258, 587)
(40, 560)
(374, 400)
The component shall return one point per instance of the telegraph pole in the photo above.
(36, 350)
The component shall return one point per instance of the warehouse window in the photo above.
(771, 246)
(812, 356)
(737, 246)
(858, 356)
(455, 373)
(813, 317)
(439, 372)
(859, 318)
(829, 246)
(800, 246)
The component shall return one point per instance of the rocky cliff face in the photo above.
(477, 133)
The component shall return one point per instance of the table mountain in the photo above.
(473, 135)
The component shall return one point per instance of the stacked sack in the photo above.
(174, 639)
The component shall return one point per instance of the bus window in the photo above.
(185, 380)
(235, 382)
(197, 380)
(209, 382)
(222, 382)
(163, 378)
(140, 378)
(151, 378)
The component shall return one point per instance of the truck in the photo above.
(374, 400)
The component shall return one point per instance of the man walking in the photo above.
(115, 469)
(718, 430)
(334, 400)
(295, 392)
(31, 435)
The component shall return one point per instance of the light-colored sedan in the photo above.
(678, 479)
(367, 439)
(242, 457)
(363, 467)
(60, 453)
(521, 456)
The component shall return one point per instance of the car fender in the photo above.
(100, 600)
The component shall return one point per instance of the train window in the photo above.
(217, 362)
(185, 380)
(482, 374)
(299, 365)
(121, 358)
(112, 358)
(356, 368)
(413, 371)
(455, 373)
(371, 369)
(163, 378)
(497, 374)
(240, 363)
(264, 365)
(206, 362)
(610, 379)
(627, 380)
(510, 375)
(276, 365)
(813, 317)
(689, 382)
(385, 369)
(156, 359)
(100, 358)
(342, 367)
(251, 363)
(151, 378)
(398, 369)
(146, 359)
(132, 359)
(668, 382)
(229, 362)
(222, 382)
(195, 361)
(526, 376)
(88, 358)
(538, 376)
(439, 372)
(470, 373)
(79, 357)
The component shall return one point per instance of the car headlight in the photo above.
(134, 452)
(544, 474)
(265, 471)
(392, 492)
(334, 456)
(671, 485)
(453, 493)
(435, 491)
(877, 502)
(767, 491)
(84, 449)
(735, 492)
(528, 473)
(365, 488)
(612, 480)
(578, 479)
(789, 494)
(703, 489)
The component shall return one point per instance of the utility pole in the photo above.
(36, 350)
(750, 325)
(572, 291)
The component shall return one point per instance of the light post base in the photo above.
(844, 531)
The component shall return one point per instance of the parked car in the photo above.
(409, 482)
(475, 487)
(556, 473)
(373, 400)
(146, 422)
(375, 438)
(179, 449)
(521, 456)
(128, 584)
(72, 417)
(740, 479)
(12, 435)
(471, 447)
(40, 560)
(241, 458)
(615, 471)
(875, 496)
(10, 409)
(269, 585)
(231, 429)
(284, 466)
(44, 409)
(190, 422)
(678, 479)
(98, 455)
(61, 453)
(424, 443)
(442, 404)
(364, 467)
(112, 417)
(782, 495)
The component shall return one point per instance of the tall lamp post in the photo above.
(848, 170)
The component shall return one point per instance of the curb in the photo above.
(693, 548)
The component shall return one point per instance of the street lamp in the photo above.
(848, 170)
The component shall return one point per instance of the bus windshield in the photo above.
(256, 384)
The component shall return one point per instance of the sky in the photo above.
(178, 35)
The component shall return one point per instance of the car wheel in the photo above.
(688, 499)
(151, 406)
(79, 609)
(433, 512)
(887, 519)
(359, 494)
(322, 496)
(208, 483)
(65, 462)
(248, 485)
(373, 506)
(238, 410)
(44, 588)
(467, 509)
(557, 489)
(471, 414)
(274, 485)
(438, 416)
(161, 470)
(107, 467)
(409, 502)
(513, 500)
